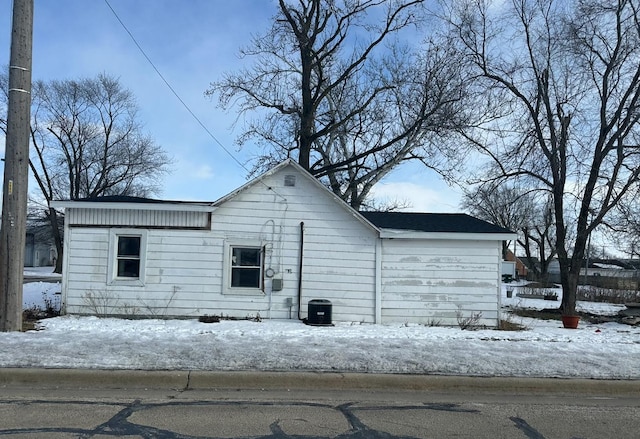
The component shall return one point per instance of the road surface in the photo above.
(44, 411)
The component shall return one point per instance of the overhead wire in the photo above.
(170, 87)
(184, 104)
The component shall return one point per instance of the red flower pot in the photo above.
(570, 322)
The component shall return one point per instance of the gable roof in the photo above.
(432, 222)
(304, 173)
(387, 224)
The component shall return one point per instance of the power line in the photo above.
(184, 104)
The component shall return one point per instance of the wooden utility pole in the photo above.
(16, 168)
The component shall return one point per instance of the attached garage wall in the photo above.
(432, 281)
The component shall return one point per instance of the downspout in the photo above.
(378, 281)
(300, 270)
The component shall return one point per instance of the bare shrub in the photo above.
(159, 311)
(506, 323)
(100, 302)
(470, 322)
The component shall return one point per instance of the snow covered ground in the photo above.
(544, 349)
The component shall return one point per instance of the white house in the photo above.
(272, 246)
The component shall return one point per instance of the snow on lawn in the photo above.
(545, 349)
(35, 294)
(41, 272)
(607, 309)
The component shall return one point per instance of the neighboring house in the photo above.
(531, 265)
(521, 270)
(615, 274)
(39, 249)
(270, 247)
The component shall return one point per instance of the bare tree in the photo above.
(523, 212)
(624, 227)
(87, 142)
(503, 205)
(561, 81)
(333, 87)
(539, 241)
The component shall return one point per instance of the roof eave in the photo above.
(174, 207)
(463, 236)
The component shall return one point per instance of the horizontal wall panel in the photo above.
(428, 281)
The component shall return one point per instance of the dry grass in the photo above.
(509, 325)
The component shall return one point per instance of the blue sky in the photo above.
(191, 43)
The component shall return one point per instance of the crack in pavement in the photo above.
(119, 425)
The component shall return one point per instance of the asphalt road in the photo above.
(249, 408)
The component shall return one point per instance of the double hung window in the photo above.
(246, 267)
(127, 257)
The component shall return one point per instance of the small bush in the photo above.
(100, 303)
(470, 322)
(51, 308)
(538, 291)
(509, 325)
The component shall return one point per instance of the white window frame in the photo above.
(114, 236)
(228, 267)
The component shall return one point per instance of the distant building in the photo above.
(39, 251)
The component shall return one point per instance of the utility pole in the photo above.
(16, 168)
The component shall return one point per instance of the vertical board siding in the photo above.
(437, 281)
(138, 218)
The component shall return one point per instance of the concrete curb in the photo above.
(208, 380)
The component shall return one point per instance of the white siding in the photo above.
(138, 218)
(184, 268)
(338, 255)
(186, 265)
(430, 281)
(181, 274)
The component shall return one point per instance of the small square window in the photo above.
(246, 267)
(128, 257)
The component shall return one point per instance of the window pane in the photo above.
(128, 268)
(246, 257)
(129, 246)
(245, 277)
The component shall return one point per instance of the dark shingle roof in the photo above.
(432, 222)
(129, 199)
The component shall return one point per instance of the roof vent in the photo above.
(290, 180)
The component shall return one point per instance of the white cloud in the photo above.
(204, 172)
